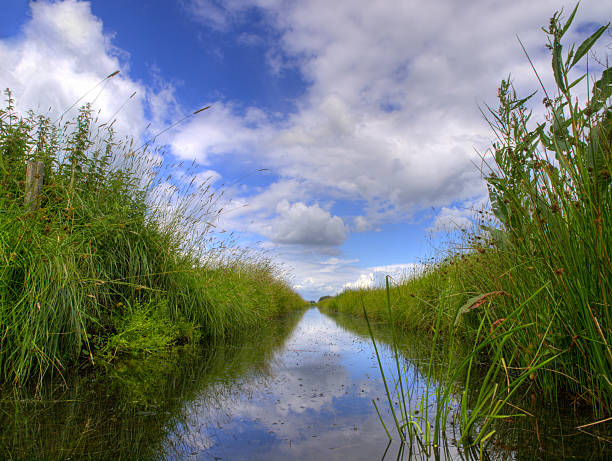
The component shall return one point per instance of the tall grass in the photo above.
(101, 242)
(551, 190)
(532, 294)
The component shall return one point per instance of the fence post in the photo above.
(34, 182)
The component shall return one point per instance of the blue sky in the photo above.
(363, 115)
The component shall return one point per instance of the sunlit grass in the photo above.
(111, 252)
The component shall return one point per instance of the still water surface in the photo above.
(315, 403)
(299, 389)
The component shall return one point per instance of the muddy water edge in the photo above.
(302, 388)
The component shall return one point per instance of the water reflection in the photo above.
(298, 389)
(550, 433)
(130, 412)
(315, 403)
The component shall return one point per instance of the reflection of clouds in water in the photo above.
(316, 403)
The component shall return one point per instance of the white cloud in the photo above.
(388, 119)
(376, 276)
(461, 217)
(206, 177)
(335, 261)
(62, 54)
(452, 219)
(316, 276)
(362, 224)
(202, 180)
(210, 14)
(364, 281)
(299, 223)
(59, 59)
(390, 114)
(221, 130)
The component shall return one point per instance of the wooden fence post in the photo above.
(34, 181)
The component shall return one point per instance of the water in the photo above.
(299, 389)
(315, 402)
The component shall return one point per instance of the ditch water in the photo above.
(300, 389)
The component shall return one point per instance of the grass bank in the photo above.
(530, 289)
(97, 261)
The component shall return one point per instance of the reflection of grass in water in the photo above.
(415, 348)
(438, 385)
(422, 367)
(130, 413)
(411, 380)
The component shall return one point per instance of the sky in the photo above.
(344, 138)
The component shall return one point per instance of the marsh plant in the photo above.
(114, 255)
(551, 190)
(530, 289)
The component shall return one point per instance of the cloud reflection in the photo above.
(316, 403)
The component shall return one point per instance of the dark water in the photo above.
(299, 389)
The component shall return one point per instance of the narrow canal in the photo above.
(314, 403)
(300, 389)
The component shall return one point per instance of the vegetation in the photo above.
(139, 409)
(546, 433)
(532, 292)
(98, 263)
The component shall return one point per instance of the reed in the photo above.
(530, 288)
(111, 248)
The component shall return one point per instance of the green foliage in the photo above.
(550, 188)
(131, 410)
(147, 328)
(413, 301)
(98, 241)
(532, 293)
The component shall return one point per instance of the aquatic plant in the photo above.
(550, 188)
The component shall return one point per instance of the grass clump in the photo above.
(146, 328)
(532, 292)
(98, 254)
(551, 191)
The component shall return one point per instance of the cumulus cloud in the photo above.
(60, 56)
(390, 114)
(316, 276)
(364, 281)
(335, 261)
(376, 276)
(299, 223)
(224, 131)
(215, 14)
(388, 118)
(458, 217)
(452, 219)
(362, 224)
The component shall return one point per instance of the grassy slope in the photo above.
(100, 263)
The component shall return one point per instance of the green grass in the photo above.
(102, 259)
(138, 409)
(530, 289)
(413, 301)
